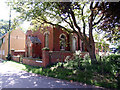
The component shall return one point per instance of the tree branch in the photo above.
(96, 5)
(91, 5)
(56, 25)
(72, 26)
(83, 21)
(74, 20)
(98, 20)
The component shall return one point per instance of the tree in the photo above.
(4, 25)
(81, 18)
(111, 24)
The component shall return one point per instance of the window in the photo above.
(74, 44)
(46, 40)
(62, 42)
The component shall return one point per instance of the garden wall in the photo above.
(18, 52)
(16, 58)
(59, 56)
(32, 62)
(50, 57)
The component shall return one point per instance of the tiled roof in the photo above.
(35, 39)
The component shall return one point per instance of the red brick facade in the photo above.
(31, 62)
(54, 44)
(18, 52)
(16, 58)
(59, 42)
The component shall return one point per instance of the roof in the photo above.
(35, 39)
(3, 36)
(10, 31)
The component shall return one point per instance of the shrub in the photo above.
(45, 48)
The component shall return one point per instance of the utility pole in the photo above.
(9, 56)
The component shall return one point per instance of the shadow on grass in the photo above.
(103, 73)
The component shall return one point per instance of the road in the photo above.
(13, 78)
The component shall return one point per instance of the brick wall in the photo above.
(50, 57)
(56, 39)
(19, 53)
(59, 56)
(16, 58)
(28, 61)
(36, 50)
(15, 53)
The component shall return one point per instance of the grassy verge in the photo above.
(103, 73)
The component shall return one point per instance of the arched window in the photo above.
(74, 43)
(62, 41)
(46, 40)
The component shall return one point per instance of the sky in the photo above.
(5, 11)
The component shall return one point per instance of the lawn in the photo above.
(104, 73)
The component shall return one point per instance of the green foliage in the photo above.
(4, 27)
(103, 73)
(45, 48)
(70, 16)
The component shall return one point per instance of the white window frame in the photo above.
(47, 39)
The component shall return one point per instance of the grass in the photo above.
(103, 73)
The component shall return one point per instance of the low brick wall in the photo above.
(50, 57)
(32, 62)
(18, 52)
(16, 58)
(59, 56)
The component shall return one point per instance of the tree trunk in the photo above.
(92, 54)
(91, 46)
(91, 50)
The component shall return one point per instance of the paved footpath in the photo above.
(14, 78)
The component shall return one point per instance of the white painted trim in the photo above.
(64, 35)
(47, 32)
(39, 61)
(75, 37)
